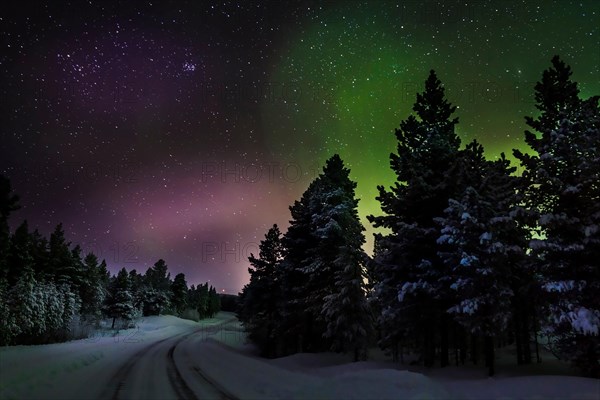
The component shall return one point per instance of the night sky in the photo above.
(184, 130)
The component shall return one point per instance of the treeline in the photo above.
(50, 292)
(473, 256)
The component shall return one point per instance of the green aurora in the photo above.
(351, 76)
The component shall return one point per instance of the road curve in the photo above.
(153, 373)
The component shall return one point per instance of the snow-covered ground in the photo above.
(101, 366)
(167, 357)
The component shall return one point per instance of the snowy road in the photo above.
(152, 362)
(155, 373)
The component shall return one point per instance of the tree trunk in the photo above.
(456, 350)
(518, 337)
(462, 340)
(489, 354)
(444, 357)
(429, 349)
(535, 332)
(474, 349)
(525, 339)
(401, 354)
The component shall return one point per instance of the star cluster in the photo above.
(183, 130)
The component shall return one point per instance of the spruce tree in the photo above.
(61, 262)
(92, 292)
(323, 269)
(119, 302)
(561, 178)
(156, 293)
(41, 256)
(20, 258)
(9, 202)
(202, 305)
(337, 266)
(260, 299)
(482, 245)
(297, 326)
(214, 302)
(407, 269)
(179, 291)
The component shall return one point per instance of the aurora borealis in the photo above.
(183, 130)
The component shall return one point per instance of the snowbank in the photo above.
(233, 365)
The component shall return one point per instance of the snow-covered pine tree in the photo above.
(338, 262)
(27, 307)
(562, 178)
(54, 314)
(8, 328)
(91, 291)
(260, 300)
(119, 302)
(482, 244)
(322, 240)
(392, 331)
(408, 264)
(25, 299)
(298, 320)
(156, 291)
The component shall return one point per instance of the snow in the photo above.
(591, 230)
(221, 354)
(81, 368)
(485, 237)
(585, 321)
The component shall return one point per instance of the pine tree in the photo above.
(61, 261)
(179, 291)
(91, 292)
(26, 307)
(202, 304)
(41, 255)
(561, 183)
(407, 269)
(322, 269)
(104, 274)
(20, 257)
(119, 302)
(297, 327)
(214, 302)
(260, 298)
(482, 245)
(338, 262)
(9, 202)
(156, 293)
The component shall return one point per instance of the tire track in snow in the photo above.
(123, 372)
(223, 393)
(178, 383)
